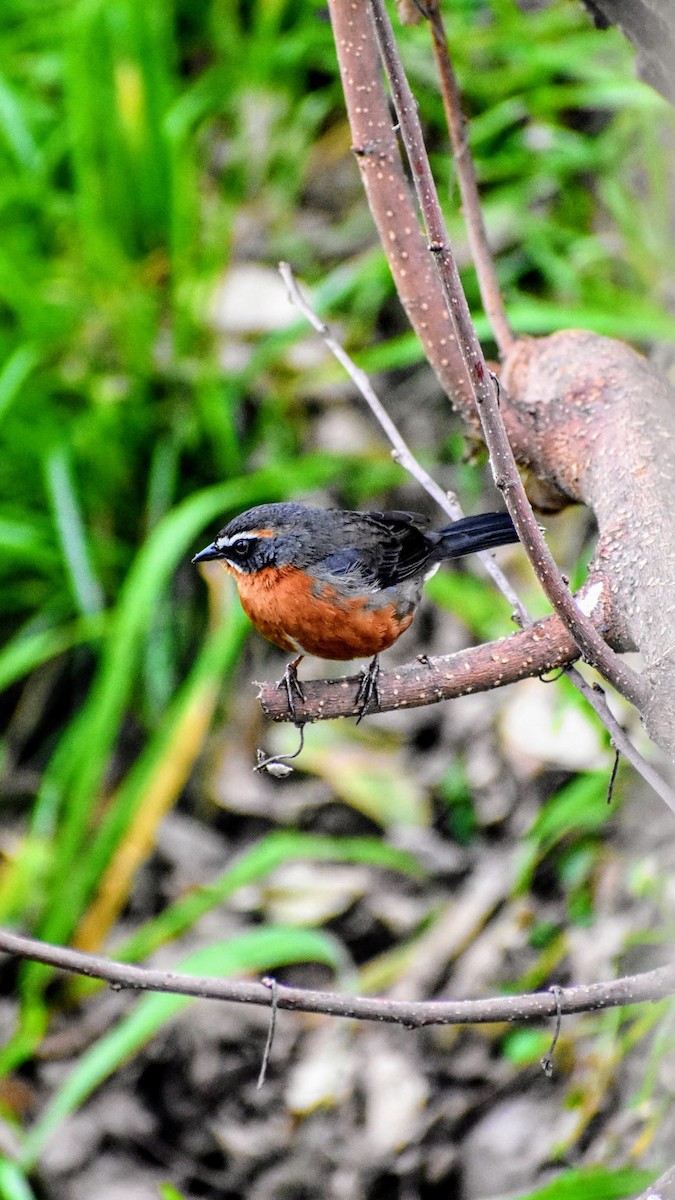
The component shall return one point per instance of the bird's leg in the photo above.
(289, 680)
(369, 688)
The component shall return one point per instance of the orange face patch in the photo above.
(282, 604)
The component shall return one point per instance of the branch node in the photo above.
(365, 151)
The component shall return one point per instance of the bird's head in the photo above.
(265, 536)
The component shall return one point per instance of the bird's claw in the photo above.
(289, 680)
(369, 688)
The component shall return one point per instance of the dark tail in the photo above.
(481, 532)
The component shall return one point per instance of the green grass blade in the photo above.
(87, 591)
(15, 128)
(592, 1183)
(27, 540)
(118, 88)
(580, 807)
(15, 371)
(25, 653)
(215, 662)
(271, 852)
(13, 1183)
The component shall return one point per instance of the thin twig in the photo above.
(272, 984)
(547, 1060)
(594, 650)
(649, 987)
(277, 764)
(595, 696)
(488, 283)
(612, 778)
(402, 452)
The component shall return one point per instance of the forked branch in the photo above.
(589, 419)
(594, 650)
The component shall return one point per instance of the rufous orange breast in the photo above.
(306, 616)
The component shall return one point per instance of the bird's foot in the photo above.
(289, 680)
(369, 688)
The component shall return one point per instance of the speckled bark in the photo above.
(391, 200)
(541, 647)
(597, 422)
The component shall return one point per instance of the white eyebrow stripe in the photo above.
(236, 537)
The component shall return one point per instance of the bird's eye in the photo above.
(243, 548)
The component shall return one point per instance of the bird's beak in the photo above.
(207, 553)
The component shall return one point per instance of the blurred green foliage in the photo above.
(592, 1183)
(144, 148)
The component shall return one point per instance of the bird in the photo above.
(340, 584)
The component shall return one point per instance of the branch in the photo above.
(389, 197)
(650, 987)
(541, 647)
(491, 296)
(602, 429)
(588, 418)
(403, 455)
(650, 26)
(594, 650)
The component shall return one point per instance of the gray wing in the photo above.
(397, 549)
(351, 567)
